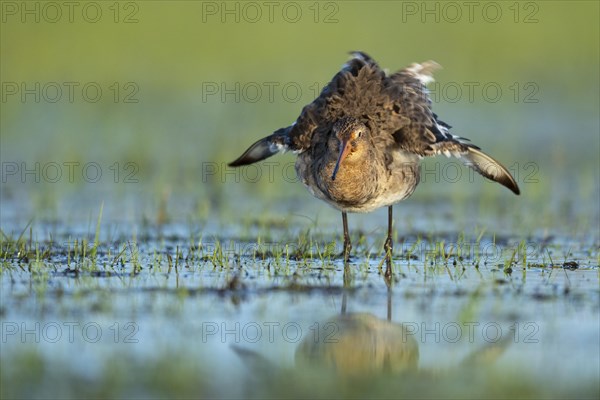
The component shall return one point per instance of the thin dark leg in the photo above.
(389, 245)
(346, 286)
(347, 244)
(389, 304)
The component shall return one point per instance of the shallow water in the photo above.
(236, 311)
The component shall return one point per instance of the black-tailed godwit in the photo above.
(360, 142)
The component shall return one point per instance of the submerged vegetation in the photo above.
(138, 290)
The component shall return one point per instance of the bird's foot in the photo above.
(388, 248)
(346, 251)
(388, 270)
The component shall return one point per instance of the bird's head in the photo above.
(352, 136)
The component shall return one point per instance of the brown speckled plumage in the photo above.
(387, 123)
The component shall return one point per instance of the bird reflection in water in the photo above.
(363, 345)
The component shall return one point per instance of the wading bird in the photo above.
(359, 143)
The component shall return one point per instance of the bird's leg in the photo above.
(388, 246)
(389, 304)
(347, 244)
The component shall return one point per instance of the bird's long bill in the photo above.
(343, 153)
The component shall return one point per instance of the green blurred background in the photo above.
(163, 67)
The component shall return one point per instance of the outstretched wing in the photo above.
(348, 94)
(408, 92)
(358, 90)
(426, 134)
(396, 108)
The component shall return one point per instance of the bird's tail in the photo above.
(264, 148)
(488, 167)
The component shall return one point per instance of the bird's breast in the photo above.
(358, 187)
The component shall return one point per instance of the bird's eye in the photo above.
(358, 133)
